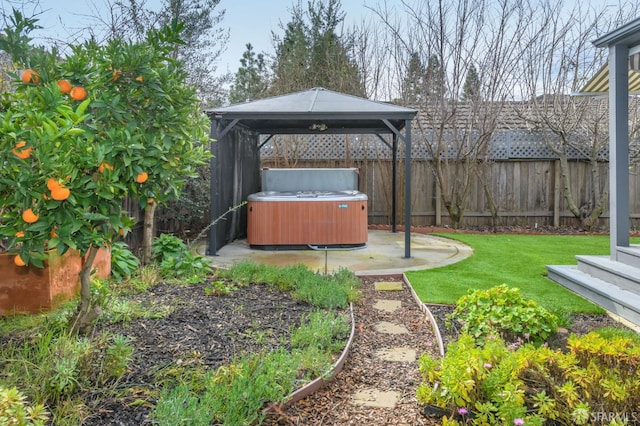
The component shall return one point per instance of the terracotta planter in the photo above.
(31, 290)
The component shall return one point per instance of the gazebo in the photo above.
(239, 130)
(613, 281)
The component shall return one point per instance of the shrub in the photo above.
(14, 411)
(123, 262)
(502, 311)
(496, 385)
(177, 262)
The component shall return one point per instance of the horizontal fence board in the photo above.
(524, 191)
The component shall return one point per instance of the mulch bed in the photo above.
(208, 330)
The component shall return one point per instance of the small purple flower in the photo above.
(518, 422)
(487, 365)
(462, 411)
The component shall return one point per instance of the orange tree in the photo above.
(79, 135)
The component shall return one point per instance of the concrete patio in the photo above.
(383, 255)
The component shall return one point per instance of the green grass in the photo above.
(515, 260)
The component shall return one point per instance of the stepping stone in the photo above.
(397, 354)
(387, 305)
(388, 285)
(376, 398)
(390, 328)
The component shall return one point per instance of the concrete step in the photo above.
(617, 273)
(618, 300)
(629, 255)
(397, 354)
(376, 398)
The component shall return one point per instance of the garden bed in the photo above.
(580, 324)
(202, 330)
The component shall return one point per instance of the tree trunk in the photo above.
(84, 316)
(148, 234)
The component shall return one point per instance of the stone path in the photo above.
(381, 398)
(379, 381)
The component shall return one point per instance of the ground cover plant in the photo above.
(491, 377)
(515, 260)
(165, 351)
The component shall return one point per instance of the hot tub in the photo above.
(307, 218)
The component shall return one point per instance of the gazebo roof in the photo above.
(316, 110)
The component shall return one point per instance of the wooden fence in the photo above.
(527, 193)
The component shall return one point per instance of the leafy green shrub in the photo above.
(502, 311)
(177, 262)
(498, 385)
(167, 245)
(15, 412)
(123, 262)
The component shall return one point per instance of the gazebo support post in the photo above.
(394, 185)
(213, 190)
(407, 190)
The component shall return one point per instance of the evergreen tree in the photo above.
(312, 54)
(414, 82)
(292, 55)
(251, 80)
(434, 79)
(471, 87)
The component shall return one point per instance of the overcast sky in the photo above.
(249, 21)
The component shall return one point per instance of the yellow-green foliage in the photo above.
(15, 412)
(596, 375)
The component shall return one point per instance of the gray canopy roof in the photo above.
(317, 110)
(329, 111)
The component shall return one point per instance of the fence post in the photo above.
(438, 205)
(557, 177)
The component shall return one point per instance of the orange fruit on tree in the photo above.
(64, 85)
(142, 177)
(53, 233)
(21, 153)
(29, 216)
(78, 93)
(20, 234)
(29, 76)
(139, 78)
(60, 193)
(116, 75)
(150, 200)
(52, 184)
(18, 260)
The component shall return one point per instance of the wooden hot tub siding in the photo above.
(313, 222)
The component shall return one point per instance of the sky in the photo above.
(248, 21)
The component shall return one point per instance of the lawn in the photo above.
(516, 260)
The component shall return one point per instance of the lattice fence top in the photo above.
(504, 145)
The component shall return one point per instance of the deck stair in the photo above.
(612, 284)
